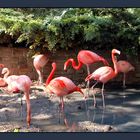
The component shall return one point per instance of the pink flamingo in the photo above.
(104, 74)
(85, 57)
(39, 62)
(61, 86)
(19, 83)
(124, 67)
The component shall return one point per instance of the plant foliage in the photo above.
(68, 28)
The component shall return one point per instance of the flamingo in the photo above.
(39, 62)
(61, 86)
(19, 83)
(104, 74)
(124, 67)
(85, 57)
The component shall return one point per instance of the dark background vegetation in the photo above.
(52, 29)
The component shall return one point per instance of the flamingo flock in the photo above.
(87, 58)
(62, 86)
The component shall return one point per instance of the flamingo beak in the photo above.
(33, 56)
(65, 67)
(118, 52)
(3, 72)
(133, 69)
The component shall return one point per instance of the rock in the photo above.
(89, 126)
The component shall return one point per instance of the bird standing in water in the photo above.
(61, 86)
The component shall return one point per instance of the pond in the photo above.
(122, 111)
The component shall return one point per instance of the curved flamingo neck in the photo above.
(51, 74)
(76, 67)
(6, 74)
(115, 63)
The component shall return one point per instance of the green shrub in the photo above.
(86, 28)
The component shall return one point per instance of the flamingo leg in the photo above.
(42, 75)
(40, 81)
(102, 120)
(124, 80)
(62, 111)
(88, 72)
(62, 104)
(88, 82)
(65, 120)
(28, 108)
(94, 115)
(94, 98)
(21, 103)
(103, 95)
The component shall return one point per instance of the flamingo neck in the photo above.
(76, 89)
(104, 61)
(51, 75)
(6, 74)
(115, 64)
(76, 67)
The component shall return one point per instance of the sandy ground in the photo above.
(46, 115)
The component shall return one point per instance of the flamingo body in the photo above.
(88, 57)
(124, 67)
(20, 83)
(102, 74)
(61, 86)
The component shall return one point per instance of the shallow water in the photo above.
(121, 112)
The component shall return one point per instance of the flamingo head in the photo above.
(88, 77)
(1, 65)
(115, 51)
(4, 70)
(54, 65)
(67, 63)
(81, 92)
